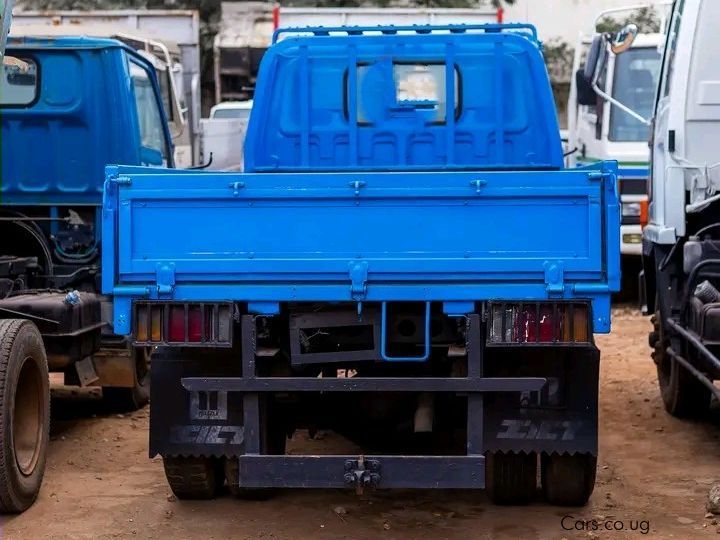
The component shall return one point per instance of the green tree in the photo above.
(646, 19)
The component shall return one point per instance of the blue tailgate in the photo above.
(435, 236)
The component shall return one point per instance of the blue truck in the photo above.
(68, 106)
(404, 262)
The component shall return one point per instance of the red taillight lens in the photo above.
(539, 323)
(177, 324)
(195, 324)
(548, 326)
(525, 325)
(535, 324)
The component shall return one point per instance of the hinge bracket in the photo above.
(121, 180)
(554, 278)
(165, 278)
(358, 279)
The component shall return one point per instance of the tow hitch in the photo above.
(362, 473)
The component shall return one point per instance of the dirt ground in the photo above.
(654, 475)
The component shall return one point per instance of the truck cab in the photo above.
(68, 106)
(599, 130)
(681, 240)
(57, 99)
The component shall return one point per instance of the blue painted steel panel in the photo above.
(359, 189)
(336, 102)
(421, 236)
(55, 150)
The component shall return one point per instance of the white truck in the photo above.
(599, 129)
(170, 39)
(681, 242)
(246, 30)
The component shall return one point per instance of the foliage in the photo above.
(646, 19)
(558, 55)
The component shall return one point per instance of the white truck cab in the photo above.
(232, 109)
(681, 242)
(599, 130)
(686, 155)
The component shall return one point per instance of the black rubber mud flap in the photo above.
(562, 418)
(184, 423)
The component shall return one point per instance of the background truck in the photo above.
(405, 262)
(170, 39)
(246, 30)
(68, 106)
(682, 238)
(602, 131)
(223, 135)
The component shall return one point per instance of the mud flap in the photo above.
(562, 418)
(184, 423)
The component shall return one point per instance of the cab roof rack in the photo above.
(528, 30)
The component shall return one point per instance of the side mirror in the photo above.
(585, 93)
(624, 39)
(151, 157)
(595, 54)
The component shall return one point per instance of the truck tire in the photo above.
(682, 394)
(194, 477)
(24, 414)
(568, 480)
(128, 399)
(511, 478)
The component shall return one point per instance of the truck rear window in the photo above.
(415, 88)
(19, 84)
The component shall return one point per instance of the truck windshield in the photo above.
(635, 82)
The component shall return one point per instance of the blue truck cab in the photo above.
(404, 262)
(68, 106)
(77, 104)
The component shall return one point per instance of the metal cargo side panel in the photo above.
(345, 236)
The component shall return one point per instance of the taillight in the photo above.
(644, 213)
(539, 323)
(187, 324)
(177, 324)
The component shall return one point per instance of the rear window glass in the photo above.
(19, 83)
(410, 88)
(242, 114)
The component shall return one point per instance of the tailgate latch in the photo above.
(554, 278)
(478, 184)
(358, 279)
(165, 278)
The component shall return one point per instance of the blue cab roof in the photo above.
(63, 42)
